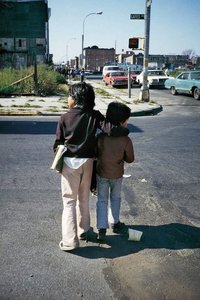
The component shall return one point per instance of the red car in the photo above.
(134, 75)
(116, 78)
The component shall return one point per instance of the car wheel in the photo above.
(196, 94)
(173, 90)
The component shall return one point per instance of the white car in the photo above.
(107, 69)
(155, 78)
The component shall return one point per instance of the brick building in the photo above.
(24, 32)
(95, 58)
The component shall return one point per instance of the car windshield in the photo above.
(113, 68)
(135, 72)
(156, 73)
(117, 74)
(195, 76)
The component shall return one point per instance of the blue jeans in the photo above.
(108, 189)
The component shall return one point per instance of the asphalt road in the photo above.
(161, 198)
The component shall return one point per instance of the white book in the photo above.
(58, 159)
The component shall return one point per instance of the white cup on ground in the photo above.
(134, 235)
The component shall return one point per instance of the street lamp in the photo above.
(67, 48)
(94, 13)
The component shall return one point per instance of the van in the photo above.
(107, 69)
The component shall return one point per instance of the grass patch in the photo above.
(137, 101)
(63, 100)
(53, 109)
(26, 105)
(151, 102)
(103, 93)
(50, 82)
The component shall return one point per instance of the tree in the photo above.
(189, 52)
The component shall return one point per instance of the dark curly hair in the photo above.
(83, 94)
(117, 113)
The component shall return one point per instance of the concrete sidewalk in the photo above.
(56, 105)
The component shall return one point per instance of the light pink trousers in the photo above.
(75, 186)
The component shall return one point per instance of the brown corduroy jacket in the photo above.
(112, 152)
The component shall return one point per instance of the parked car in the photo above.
(134, 75)
(107, 69)
(116, 78)
(155, 78)
(187, 82)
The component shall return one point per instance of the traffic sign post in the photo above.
(144, 92)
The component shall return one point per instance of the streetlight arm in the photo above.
(82, 46)
(94, 13)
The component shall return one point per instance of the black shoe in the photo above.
(88, 236)
(83, 236)
(119, 227)
(101, 235)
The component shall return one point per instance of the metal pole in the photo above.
(35, 75)
(129, 82)
(82, 47)
(144, 92)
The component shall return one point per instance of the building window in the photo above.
(20, 44)
(40, 42)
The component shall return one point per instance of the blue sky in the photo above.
(174, 27)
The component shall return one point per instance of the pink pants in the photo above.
(75, 186)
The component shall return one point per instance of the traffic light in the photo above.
(133, 43)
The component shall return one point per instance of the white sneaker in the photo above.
(66, 248)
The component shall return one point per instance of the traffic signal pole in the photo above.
(144, 92)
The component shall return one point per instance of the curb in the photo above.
(148, 112)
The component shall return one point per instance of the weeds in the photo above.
(49, 81)
(103, 93)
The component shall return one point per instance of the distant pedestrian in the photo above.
(82, 74)
(72, 73)
(76, 129)
(113, 150)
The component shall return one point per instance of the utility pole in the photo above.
(144, 92)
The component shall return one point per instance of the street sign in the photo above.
(137, 16)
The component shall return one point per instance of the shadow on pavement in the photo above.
(38, 127)
(174, 236)
(133, 128)
(27, 127)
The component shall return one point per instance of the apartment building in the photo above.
(24, 32)
(95, 58)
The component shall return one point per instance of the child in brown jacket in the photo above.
(113, 150)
